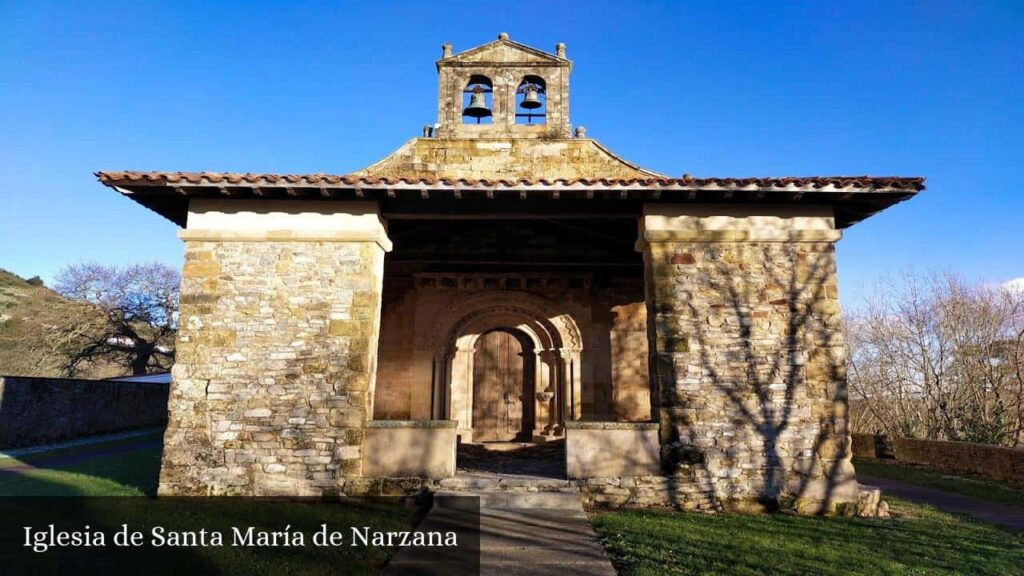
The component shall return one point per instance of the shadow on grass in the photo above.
(45, 488)
(919, 540)
(177, 535)
(126, 467)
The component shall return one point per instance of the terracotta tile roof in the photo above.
(848, 183)
(854, 198)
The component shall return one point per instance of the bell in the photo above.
(530, 99)
(477, 105)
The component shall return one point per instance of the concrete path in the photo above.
(994, 512)
(528, 533)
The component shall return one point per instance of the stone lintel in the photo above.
(731, 223)
(380, 238)
(216, 219)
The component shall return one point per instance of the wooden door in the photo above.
(498, 391)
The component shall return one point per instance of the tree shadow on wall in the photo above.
(751, 379)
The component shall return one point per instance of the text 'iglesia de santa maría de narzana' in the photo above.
(504, 278)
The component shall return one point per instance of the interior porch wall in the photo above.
(611, 320)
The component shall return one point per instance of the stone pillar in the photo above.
(277, 348)
(748, 368)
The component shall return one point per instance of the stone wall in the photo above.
(682, 491)
(631, 388)
(505, 64)
(985, 460)
(871, 446)
(508, 159)
(611, 449)
(43, 410)
(409, 449)
(276, 359)
(749, 362)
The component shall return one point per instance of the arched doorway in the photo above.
(554, 345)
(503, 386)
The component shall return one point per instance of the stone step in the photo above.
(507, 446)
(488, 482)
(507, 500)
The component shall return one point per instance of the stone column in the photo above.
(277, 347)
(748, 369)
(460, 391)
(439, 384)
(544, 398)
(571, 367)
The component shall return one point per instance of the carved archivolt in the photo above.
(483, 311)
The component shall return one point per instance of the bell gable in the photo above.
(506, 51)
(503, 89)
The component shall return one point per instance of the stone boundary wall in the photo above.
(37, 411)
(986, 460)
(871, 446)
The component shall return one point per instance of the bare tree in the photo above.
(138, 305)
(935, 357)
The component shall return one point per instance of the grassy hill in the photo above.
(31, 318)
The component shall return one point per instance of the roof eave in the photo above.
(852, 204)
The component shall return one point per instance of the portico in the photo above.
(505, 281)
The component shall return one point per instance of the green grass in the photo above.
(917, 540)
(967, 486)
(134, 473)
(131, 473)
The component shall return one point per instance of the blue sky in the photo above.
(929, 88)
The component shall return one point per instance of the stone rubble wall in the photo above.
(505, 159)
(506, 65)
(681, 491)
(37, 411)
(986, 460)
(871, 446)
(750, 369)
(276, 358)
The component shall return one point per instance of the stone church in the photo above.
(504, 278)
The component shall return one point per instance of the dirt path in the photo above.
(994, 512)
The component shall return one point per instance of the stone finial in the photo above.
(581, 132)
(446, 50)
(560, 49)
(503, 36)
